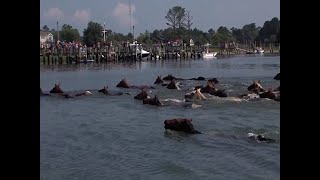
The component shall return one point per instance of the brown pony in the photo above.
(209, 88)
(180, 124)
(56, 89)
(142, 95)
(195, 94)
(169, 78)
(256, 85)
(152, 101)
(124, 84)
(277, 77)
(172, 85)
(268, 94)
(105, 91)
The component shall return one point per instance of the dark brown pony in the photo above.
(214, 80)
(209, 88)
(169, 78)
(255, 91)
(142, 95)
(268, 94)
(180, 124)
(105, 91)
(277, 77)
(219, 93)
(200, 78)
(56, 89)
(124, 84)
(256, 85)
(152, 101)
(172, 85)
(159, 80)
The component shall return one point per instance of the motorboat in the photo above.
(139, 50)
(206, 54)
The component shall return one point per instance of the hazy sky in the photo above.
(150, 14)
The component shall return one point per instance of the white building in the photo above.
(45, 36)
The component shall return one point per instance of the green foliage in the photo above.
(270, 32)
(176, 17)
(69, 34)
(92, 34)
(45, 28)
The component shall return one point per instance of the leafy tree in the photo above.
(68, 33)
(45, 28)
(92, 34)
(237, 34)
(176, 17)
(188, 19)
(223, 35)
(269, 30)
(250, 32)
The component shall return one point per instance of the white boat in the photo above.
(206, 54)
(259, 50)
(139, 49)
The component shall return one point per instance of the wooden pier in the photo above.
(122, 52)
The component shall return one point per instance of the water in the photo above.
(117, 137)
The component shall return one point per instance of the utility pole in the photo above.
(133, 33)
(58, 31)
(130, 15)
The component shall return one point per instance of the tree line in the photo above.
(179, 27)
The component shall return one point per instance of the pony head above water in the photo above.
(172, 85)
(198, 95)
(256, 85)
(214, 80)
(56, 89)
(158, 80)
(123, 84)
(180, 124)
(104, 90)
(169, 77)
(277, 77)
(153, 101)
(142, 95)
(209, 88)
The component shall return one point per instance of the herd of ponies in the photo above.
(255, 91)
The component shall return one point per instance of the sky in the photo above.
(150, 14)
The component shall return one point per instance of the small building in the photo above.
(46, 37)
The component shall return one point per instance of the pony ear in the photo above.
(254, 81)
(259, 81)
(107, 87)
